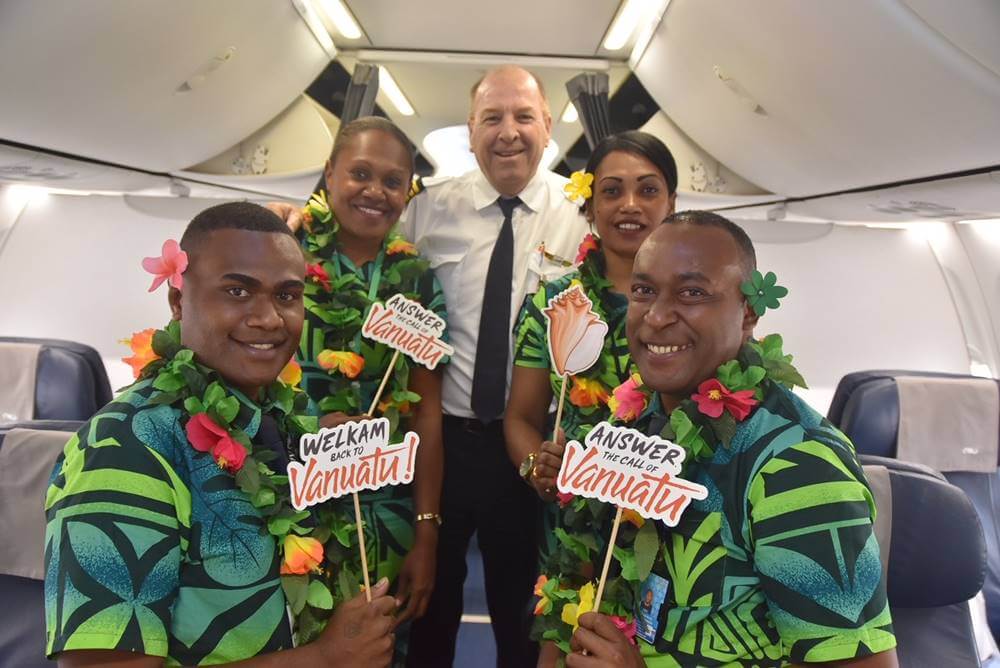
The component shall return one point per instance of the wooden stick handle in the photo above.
(361, 544)
(559, 410)
(607, 560)
(385, 379)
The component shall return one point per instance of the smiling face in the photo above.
(241, 306)
(367, 184)
(630, 199)
(686, 314)
(509, 127)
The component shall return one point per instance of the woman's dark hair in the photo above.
(642, 144)
(366, 123)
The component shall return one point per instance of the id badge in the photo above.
(652, 599)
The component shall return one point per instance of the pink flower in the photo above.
(565, 498)
(168, 267)
(203, 433)
(207, 436)
(713, 397)
(627, 401)
(229, 454)
(588, 244)
(627, 628)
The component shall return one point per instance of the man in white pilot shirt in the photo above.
(457, 224)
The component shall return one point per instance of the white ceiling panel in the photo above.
(560, 27)
(99, 79)
(850, 94)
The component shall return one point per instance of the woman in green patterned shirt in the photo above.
(635, 185)
(354, 259)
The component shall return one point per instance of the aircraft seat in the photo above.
(928, 588)
(28, 452)
(50, 379)
(866, 407)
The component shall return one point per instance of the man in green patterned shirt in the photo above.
(154, 555)
(778, 565)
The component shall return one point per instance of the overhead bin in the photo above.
(159, 86)
(806, 98)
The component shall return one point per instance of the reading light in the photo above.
(341, 18)
(625, 23)
(569, 114)
(393, 92)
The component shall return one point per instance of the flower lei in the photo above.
(700, 424)
(316, 545)
(340, 303)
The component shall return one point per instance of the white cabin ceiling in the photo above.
(855, 93)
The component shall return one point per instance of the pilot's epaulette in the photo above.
(416, 187)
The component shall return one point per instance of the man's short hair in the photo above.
(748, 256)
(538, 82)
(366, 123)
(231, 216)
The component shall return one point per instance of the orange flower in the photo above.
(586, 393)
(307, 219)
(544, 605)
(575, 332)
(629, 515)
(347, 363)
(291, 375)
(302, 555)
(402, 407)
(400, 245)
(141, 344)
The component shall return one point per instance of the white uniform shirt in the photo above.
(455, 224)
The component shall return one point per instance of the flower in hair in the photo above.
(168, 267)
(762, 291)
(578, 189)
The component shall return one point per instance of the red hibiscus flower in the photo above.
(627, 628)
(588, 244)
(318, 274)
(207, 436)
(564, 498)
(713, 397)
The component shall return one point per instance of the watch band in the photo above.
(429, 516)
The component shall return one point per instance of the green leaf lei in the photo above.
(571, 565)
(194, 388)
(340, 303)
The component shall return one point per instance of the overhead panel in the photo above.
(158, 86)
(810, 97)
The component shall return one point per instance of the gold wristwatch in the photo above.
(527, 467)
(429, 516)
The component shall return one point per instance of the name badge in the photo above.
(652, 600)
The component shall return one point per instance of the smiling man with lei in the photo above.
(170, 540)
(779, 564)
(354, 260)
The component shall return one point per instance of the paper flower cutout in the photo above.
(141, 344)
(168, 267)
(571, 611)
(400, 246)
(317, 274)
(291, 375)
(627, 628)
(762, 292)
(628, 401)
(587, 392)
(578, 189)
(544, 605)
(302, 555)
(587, 246)
(348, 363)
(713, 397)
(207, 436)
(576, 333)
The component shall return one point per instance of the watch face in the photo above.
(526, 465)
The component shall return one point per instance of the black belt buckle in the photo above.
(474, 425)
